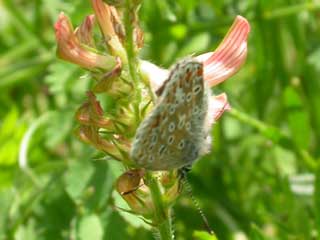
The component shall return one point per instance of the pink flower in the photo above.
(71, 48)
(218, 66)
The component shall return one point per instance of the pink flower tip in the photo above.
(217, 106)
(230, 54)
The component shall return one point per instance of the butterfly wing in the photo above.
(172, 135)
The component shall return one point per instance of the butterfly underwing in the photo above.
(174, 134)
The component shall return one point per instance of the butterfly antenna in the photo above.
(188, 188)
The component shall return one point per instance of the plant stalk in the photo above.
(162, 214)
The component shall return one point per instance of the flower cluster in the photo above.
(111, 65)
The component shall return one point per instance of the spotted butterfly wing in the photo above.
(173, 135)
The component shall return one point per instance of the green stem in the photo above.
(277, 137)
(132, 56)
(162, 216)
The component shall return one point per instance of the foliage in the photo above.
(261, 179)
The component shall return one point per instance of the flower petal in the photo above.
(70, 49)
(230, 54)
(153, 74)
(218, 104)
(84, 31)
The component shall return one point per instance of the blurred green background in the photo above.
(262, 179)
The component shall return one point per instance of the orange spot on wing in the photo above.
(200, 72)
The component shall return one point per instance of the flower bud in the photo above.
(104, 16)
(91, 113)
(107, 81)
(131, 187)
(70, 48)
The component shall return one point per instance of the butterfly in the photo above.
(175, 133)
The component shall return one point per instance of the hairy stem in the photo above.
(162, 216)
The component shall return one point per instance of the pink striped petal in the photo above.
(218, 105)
(229, 56)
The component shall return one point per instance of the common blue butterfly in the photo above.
(174, 134)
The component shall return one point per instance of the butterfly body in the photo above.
(175, 133)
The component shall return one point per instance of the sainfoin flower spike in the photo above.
(161, 119)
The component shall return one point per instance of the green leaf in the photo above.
(90, 228)
(27, 231)
(77, 178)
(256, 234)
(101, 183)
(115, 227)
(178, 31)
(201, 235)
(59, 128)
(11, 132)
